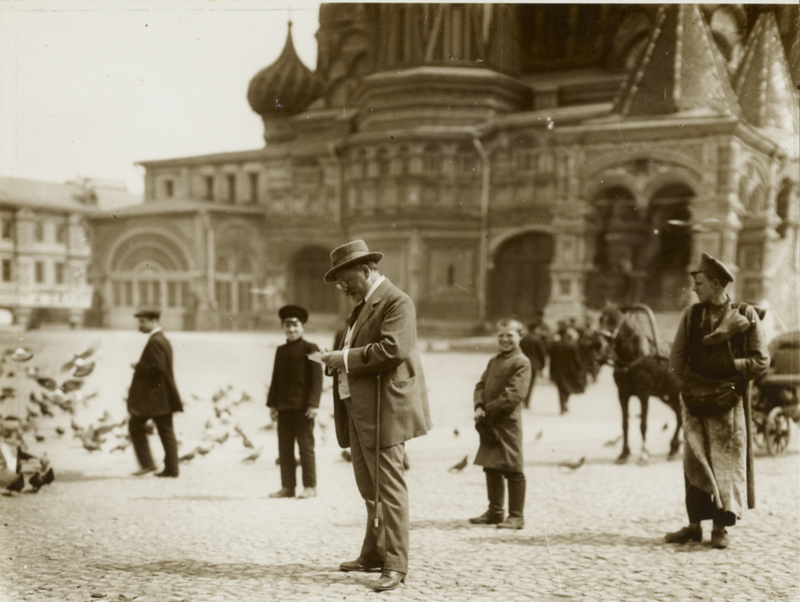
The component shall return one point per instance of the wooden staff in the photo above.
(377, 451)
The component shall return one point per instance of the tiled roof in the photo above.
(763, 84)
(66, 197)
(680, 70)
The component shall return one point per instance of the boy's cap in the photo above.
(151, 313)
(293, 311)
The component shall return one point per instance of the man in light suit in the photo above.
(154, 395)
(379, 349)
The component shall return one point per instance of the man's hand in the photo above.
(334, 360)
(273, 414)
(479, 413)
(311, 413)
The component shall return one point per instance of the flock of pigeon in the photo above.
(46, 397)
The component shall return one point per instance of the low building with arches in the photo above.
(507, 159)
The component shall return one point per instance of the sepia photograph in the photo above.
(297, 298)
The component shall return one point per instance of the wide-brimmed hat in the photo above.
(355, 251)
(151, 313)
(293, 311)
(713, 268)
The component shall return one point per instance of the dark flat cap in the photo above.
(151, 313)
(713, 268)
(293, 311)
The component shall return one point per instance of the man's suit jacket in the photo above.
(153, 391)
(384, 343)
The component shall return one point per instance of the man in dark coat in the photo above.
(293, 400)
(533, 347)
(566, 368)
(154, 395)
(379, 349)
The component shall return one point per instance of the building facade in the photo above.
(45, 248)
(506, 158)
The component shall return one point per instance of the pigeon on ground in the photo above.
(49, 476)
(36, 481)
(573, 465)
(665, 427)
(254, 456)
(21, 354)
(456, 432)
(458, 467)
(70, 385)
(90, 445)
(222, 438)
(78, 358)
(245, 441)
(84, 369)
(120, 447)
(47, 383)
(60, 431)
(612, 442)
(539, 435)
(17, 485)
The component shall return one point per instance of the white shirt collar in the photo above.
(374, 286)
(155, 330)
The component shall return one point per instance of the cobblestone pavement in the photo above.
(595, 533)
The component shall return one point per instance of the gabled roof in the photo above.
(763, 84)
(68, 197)
(680, 70)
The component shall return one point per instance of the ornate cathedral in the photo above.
(507, 159)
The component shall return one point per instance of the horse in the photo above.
(640, 369)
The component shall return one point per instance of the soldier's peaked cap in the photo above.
(713, 268)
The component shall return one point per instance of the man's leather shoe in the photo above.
(389, 580)
(487, 518)
(719, 537)
(164, 473)
(283, 492)
(356, 566)
(143, 471)
(307, 493)
(689, 533)
(512, 522)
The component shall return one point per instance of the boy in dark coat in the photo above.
(498, 397)
(293, 400)
(567, 370)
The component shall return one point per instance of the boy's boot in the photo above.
(516, 505)
(495, 489)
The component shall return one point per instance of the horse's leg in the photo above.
(624, 397)
(675, 444)
(644, 399)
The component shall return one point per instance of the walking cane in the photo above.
(377, 451)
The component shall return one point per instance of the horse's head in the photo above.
(621, 344)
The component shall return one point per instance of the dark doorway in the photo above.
(520, 282)
(306, 287)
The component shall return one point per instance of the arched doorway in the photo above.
(520, 281)
(306, 286)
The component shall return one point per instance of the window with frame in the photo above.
(209, 184)
(253, 177)
(231, 188)
(61, 233)
(7, 228)
(244, 297)
(38, 269)
(307, 174)
(7, 274)
(169, 188)
(59, 272)
(432, 160)
(38, 231)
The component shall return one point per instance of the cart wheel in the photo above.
(759, 430)
(777, 433)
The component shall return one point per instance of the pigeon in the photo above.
(268, 427)
(49, 476)
(573, 465)
(539, 435)
(36, 481)
(346, 455)
(188, 456)
(78, 358)
(456, 432)
(254, 456)
(85, 369)
(60, 431)
(665, 427)
(458, 467)
(21, 354)
(90, 445)
(204, 449)
(17, 485)
(222, 438)
(120, 447)
(612, 442)
(47, 383)
(70, 385)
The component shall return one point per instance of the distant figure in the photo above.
(718, 348)
(590, 348)
(154, 396)
(293, 400)
(498, 398)
(566, 367)
(378, 361)
(535, 349)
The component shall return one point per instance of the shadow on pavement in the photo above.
(74, 476)
(232, 570)
(453, 524)
(580, 539)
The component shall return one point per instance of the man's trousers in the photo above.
(166, 433)
(388, 543)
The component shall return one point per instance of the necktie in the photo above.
(354, 316)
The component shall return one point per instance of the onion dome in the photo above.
(681, 69)
(763, 84)
(286, 87)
